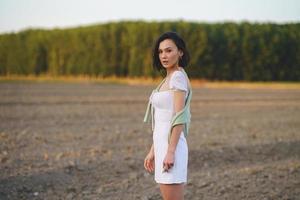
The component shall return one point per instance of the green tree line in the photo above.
(219, 51)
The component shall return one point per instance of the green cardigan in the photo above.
(181, 117)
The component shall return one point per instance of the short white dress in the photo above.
(163, 104)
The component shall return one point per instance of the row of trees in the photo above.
(222, 51)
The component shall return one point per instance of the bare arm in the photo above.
(152, 149)
(149, 160)
(179, 97)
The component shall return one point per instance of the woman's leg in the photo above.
(172, 191)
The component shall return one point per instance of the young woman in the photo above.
(169, 111)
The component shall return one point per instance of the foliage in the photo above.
(227, 51)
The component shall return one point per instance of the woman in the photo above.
(169, 108)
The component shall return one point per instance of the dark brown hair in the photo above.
(183, 62)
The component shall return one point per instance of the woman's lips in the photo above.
(164, 62)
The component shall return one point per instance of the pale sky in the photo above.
(16, 15)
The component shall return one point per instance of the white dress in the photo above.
(163, 104)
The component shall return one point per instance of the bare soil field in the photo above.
(88, 141)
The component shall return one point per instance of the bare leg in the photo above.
(172, 191)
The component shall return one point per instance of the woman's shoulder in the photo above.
(178, 73)
(178, 80)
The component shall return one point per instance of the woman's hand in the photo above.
(168, 161)
(149, 162)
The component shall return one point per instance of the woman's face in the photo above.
(168, 53)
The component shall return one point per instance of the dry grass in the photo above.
(80, 78)
(151, 81)
(249, 85)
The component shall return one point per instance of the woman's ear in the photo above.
(180, 53)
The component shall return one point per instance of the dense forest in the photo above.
(219, 51)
